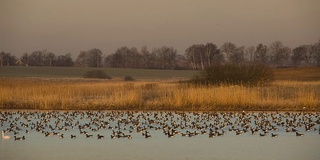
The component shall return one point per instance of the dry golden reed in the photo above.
(74, 94)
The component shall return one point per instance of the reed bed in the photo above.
(77, 94)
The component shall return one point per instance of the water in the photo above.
(229, 146)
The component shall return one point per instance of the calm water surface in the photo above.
(229, 146)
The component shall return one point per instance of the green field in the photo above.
(292, 74)
(78, 72)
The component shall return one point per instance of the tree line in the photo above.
(276, 55)
(197, 56)
(159, 58)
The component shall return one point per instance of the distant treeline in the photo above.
(197, 56)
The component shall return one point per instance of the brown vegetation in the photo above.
(44, 93)
(298, 74)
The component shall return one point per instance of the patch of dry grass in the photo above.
(30, 93)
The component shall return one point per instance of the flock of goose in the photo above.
(128, 124)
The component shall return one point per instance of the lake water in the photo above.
(229, 146)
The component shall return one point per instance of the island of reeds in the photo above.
(284, 93)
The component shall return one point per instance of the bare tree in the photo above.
(149, 59)
(249, 53)
(25, 59)
(261, 54)
(2, 56)
(301, 55)
(81, 60)
(37, 58)
(229, 49)
(90, 58)
(202, 56)
(280, 54)
(64, 61)
(191, 56)
(237, 56)
(196, 54)
(49, 58)
(166, 57)
(212, 54)
(6, 59)
(125, 57)
(315, 53)
(94, 57)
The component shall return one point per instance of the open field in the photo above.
(63, 88)
(78, 72)
(296, 74)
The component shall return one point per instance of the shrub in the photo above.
(249, 75)
(128, 78)
(96, 74)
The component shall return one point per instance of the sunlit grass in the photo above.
(40, 93)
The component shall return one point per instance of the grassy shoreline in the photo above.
(91, 94)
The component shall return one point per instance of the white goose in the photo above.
(4, 136)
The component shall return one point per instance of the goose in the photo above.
(147, 136)
(61, 136)
(252, 132)
(220, 134)
(100, 136)
(238, 132)
(126, 136)
(299, 134)
(262, 134)
(89, 136)
(294, 130)
(4, 136)
(113, 136)
(184, 134)
(47, 134)
(212, 135)
(191, 134)
(56, 133)
(73, 136)
(19, 138)
(170, 135)
(274, 135)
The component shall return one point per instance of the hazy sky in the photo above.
(63, 26)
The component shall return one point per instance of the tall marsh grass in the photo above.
(76, 94)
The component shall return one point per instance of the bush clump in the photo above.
(249, 75)
(128, 78)
(96, 74)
